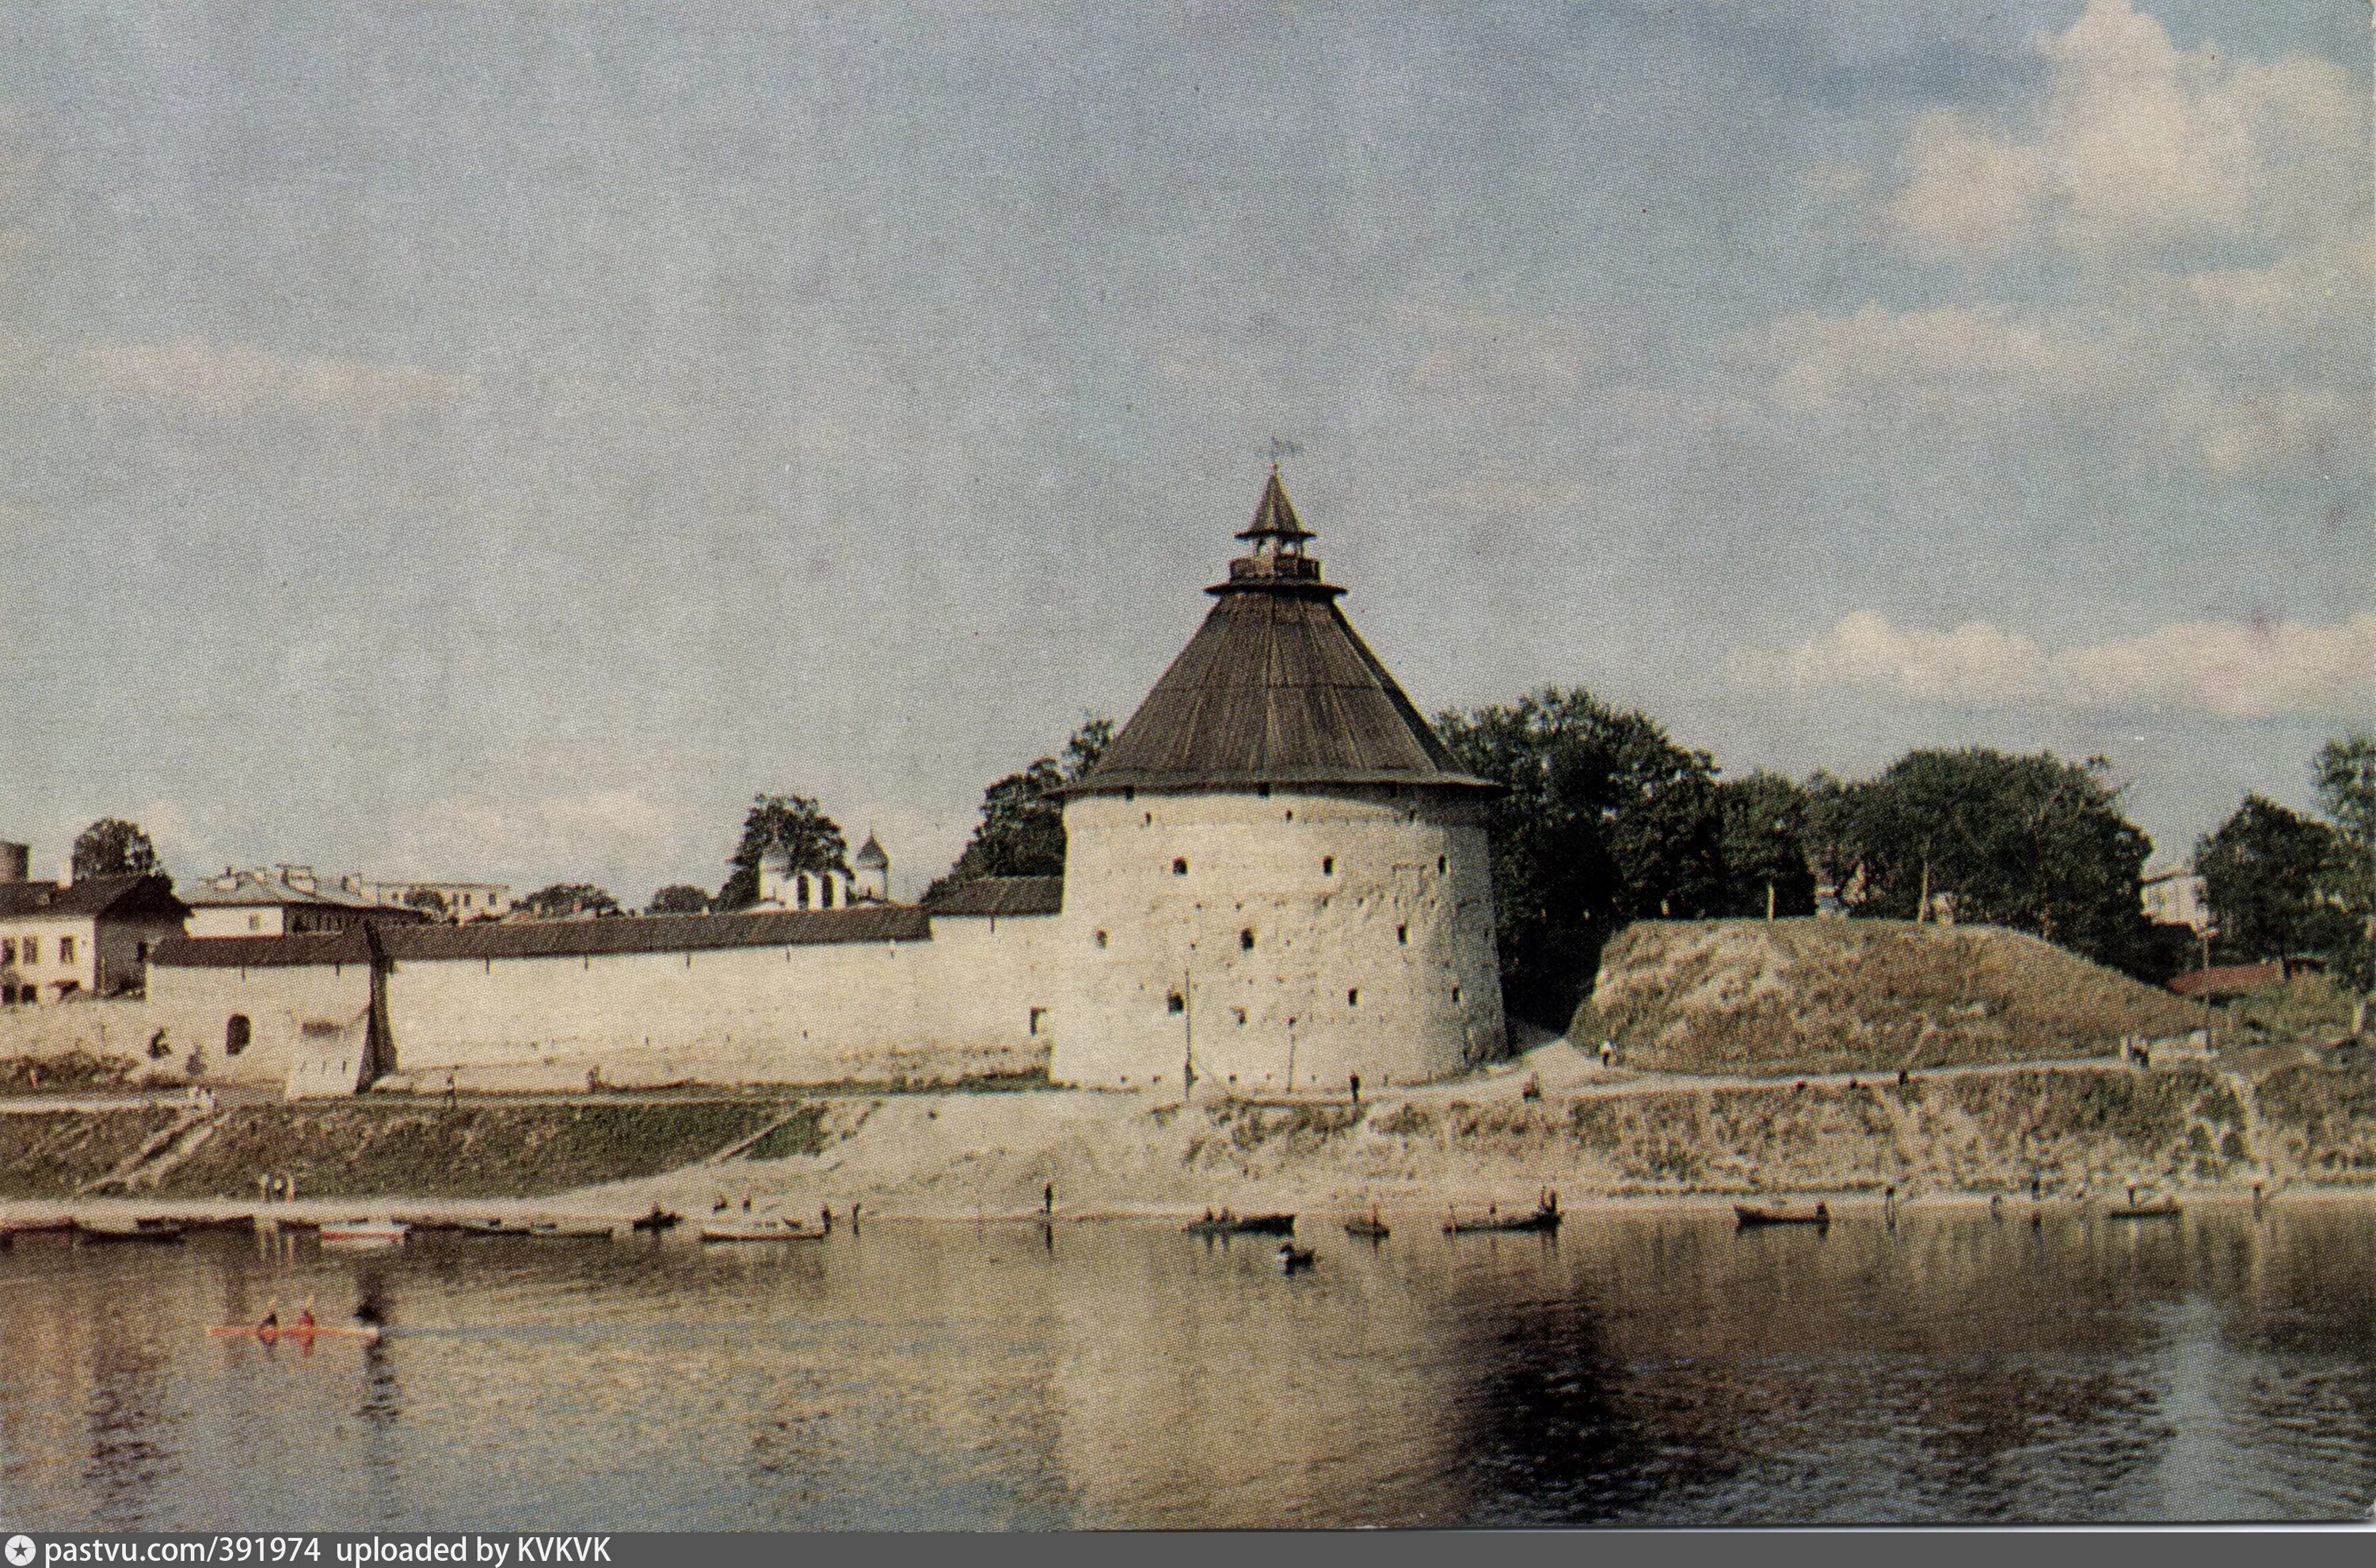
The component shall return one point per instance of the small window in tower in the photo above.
(1328, 865)
(1101, 939)
(824, 893)
(1353, 997)
(1262, 791)
(1175, 1003)
(1443, 864)
(1246, 940)
(1150, 819)
(1038, 1012)
(1456, 996)
(1179, 868)
(1402, 935)
(65, 949)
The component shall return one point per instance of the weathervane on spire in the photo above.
(1282, 447)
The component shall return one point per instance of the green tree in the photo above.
(678, 898)
(1765, 826)
(2346, 775)
(1022, 828)
(112, 847)
(427, 898)
(2268, 874)
(564, 899)
(2031, 842)
(1603, 820)
(793, 825)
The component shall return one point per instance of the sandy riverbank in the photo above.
(2082, 1130)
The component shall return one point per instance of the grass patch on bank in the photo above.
(50, 1153)
(2324, 1118)
(802, 1134)
(364, 1150)
(2308, 1007)
(67, 1072)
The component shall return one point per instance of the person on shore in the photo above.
(1357, 1088)
(1823, 1212)
(1048, 1198)
(824, 1219)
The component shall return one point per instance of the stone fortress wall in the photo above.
(957, 1003)
(1277, 939)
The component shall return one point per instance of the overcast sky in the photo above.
(496, 440)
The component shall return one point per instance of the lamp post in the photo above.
(2207, 933)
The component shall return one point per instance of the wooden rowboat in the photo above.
(302, 1334)
(377, 1231)
(1752, 1217)
(1370, 1230)
(1546, 1217)
(2166, 1209)
(762, 1231)
(658, 1219)
(1243, 1225)
(152, 1235)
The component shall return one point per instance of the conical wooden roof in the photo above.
(1275, 688)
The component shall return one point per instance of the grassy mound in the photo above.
(1837, 996)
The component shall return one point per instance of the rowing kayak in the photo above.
(291, 1331)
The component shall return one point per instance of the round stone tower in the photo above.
(1275, 877)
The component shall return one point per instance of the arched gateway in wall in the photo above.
(1276, 876)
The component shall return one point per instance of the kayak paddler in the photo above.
(271, 1315)
(305, 1314)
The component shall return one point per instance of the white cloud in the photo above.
(2232, 669)
(2140, 146)
(190, 376)
(1955, 360)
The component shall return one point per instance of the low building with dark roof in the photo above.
(91, 937)
(287, 901)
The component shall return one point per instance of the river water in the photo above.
(1631, 1370)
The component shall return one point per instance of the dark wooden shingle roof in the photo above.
(120, 898)
(1275, 688)
(656, 934)
(261, 952)
(1001, 896)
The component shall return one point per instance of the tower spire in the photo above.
(1278, 536)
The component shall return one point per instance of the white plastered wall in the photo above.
(1370, 917)
(957, 1005)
